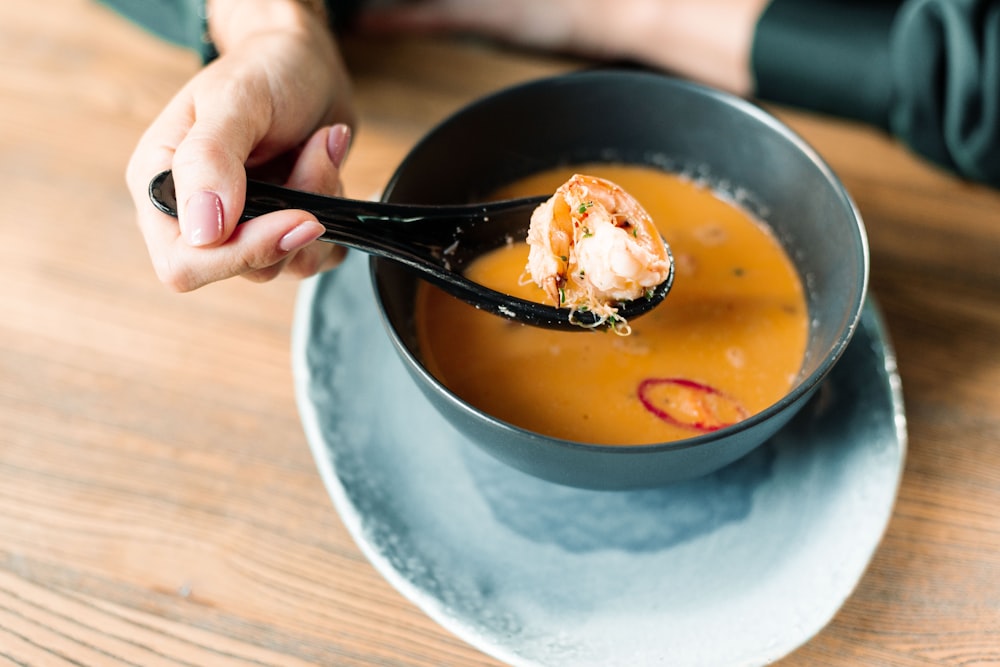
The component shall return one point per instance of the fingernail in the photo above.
(202, 220)
(301, 236)
(337, 143)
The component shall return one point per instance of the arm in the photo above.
(274, 103)
(946, 73)
(706, 40)
(927, 70)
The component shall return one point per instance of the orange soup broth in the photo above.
(727, 342)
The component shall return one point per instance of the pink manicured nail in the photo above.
(201, 223)
(301, 236)
(337, 143)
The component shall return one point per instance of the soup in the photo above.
(726, 343)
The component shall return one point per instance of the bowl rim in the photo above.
(803, 387)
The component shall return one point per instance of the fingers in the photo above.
(257, 106)
(260, 249)
(316, 170)
(205, 152)
(318, 167)
(208, 166)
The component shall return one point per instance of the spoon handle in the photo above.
(417, 234)
(356, 221)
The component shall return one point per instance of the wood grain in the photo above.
(158, 502)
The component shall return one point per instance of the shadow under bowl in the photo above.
(636, 117)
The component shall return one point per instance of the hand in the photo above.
(267, 105)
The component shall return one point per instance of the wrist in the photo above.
(295, 44)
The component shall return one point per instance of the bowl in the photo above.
(637, 117)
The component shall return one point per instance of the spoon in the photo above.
(438, 241)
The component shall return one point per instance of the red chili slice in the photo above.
(690, 404)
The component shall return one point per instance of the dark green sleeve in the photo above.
(179, 21)
(183, 21)
(830, 56)
(946, 79)
(926, 70)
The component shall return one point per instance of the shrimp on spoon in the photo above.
(592, 247)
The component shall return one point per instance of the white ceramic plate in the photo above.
(738, 568)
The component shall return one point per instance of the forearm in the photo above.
(705, 40)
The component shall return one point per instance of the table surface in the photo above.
(158, 501)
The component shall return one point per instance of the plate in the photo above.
(738, 568)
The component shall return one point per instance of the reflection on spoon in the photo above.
(437, 241)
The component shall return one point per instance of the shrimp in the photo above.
(592, 245)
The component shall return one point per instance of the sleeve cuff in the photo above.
(826, 55)
(946, 59)
(184, 22)
(179, 21)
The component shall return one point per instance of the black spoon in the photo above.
(438, 241)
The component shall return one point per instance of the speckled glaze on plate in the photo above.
(738, 568)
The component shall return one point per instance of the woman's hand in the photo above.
(273, 104)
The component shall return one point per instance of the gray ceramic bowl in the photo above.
(638, 117)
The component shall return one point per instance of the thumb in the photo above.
(210, 176)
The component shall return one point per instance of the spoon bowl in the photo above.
(439, 241)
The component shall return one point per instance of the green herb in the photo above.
(562, 295)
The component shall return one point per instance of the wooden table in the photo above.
(158, 501)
